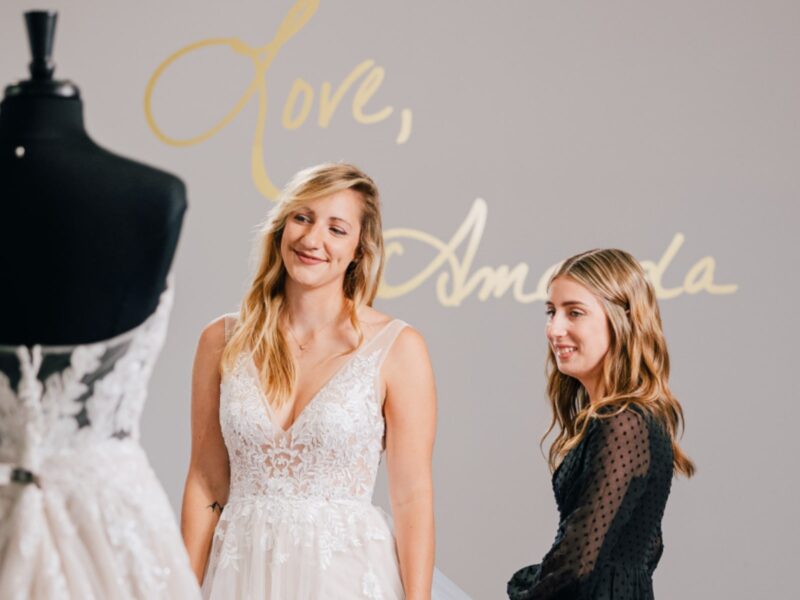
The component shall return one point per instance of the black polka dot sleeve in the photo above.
(599, 488)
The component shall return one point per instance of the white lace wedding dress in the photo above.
(82, 515)
(299, 523)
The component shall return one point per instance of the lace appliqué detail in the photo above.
(68, 397)
(331, 451)
(96, 524)
(305, 493)
(370, 586)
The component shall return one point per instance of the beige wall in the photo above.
(519, 133)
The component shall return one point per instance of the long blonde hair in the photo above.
(258, 330)
(635, 370)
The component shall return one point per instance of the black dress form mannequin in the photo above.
(86, 237)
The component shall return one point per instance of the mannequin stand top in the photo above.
(86, 237)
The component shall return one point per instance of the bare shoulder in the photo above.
(212, 337)
(372, 320)
(409, 353)
(409, 378)
(409, 340)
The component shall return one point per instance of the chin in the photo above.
(308, 280)
(569, 372)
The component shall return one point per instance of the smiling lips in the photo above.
(308, 259)
(563, 351)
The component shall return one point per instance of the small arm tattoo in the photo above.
(215, 507)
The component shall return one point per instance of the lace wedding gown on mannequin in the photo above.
(299, 523)
(82, 515)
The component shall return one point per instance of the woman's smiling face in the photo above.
(577, 331)
(321, 237)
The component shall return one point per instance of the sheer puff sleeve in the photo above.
(594, 510)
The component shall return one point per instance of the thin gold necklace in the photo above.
(303, 347)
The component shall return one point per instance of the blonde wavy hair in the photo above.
(258, 330)
(635, 370)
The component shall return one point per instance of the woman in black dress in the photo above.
(616, 450)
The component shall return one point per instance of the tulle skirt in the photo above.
(302, 550)
(274, 549)
(98, 526)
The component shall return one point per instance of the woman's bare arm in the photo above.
(410, 410)
(206, 488)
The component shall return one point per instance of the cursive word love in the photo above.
(457, 280)
(371, 77)
(299, 102)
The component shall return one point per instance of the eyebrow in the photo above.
(570, 303)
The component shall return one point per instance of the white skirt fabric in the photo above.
(305, 550)
(97, 527)
(308, 550)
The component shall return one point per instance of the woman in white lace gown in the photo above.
(294, 401)
(82, 515)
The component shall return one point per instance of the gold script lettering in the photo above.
(372, 77)
(457, 282)
(365, 91)
(262, 58)
(327, 105)
(300, 86)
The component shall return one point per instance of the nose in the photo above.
(556, 327)
(311, 239)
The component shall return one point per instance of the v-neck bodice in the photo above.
(333, 447)
(253, 369)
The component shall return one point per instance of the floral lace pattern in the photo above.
(98, 394)
(306, 489)
(331, 451)
(96, 523)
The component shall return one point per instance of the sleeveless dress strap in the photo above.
(230, 320)
(383, 342)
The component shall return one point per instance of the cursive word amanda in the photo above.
(457, 280)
